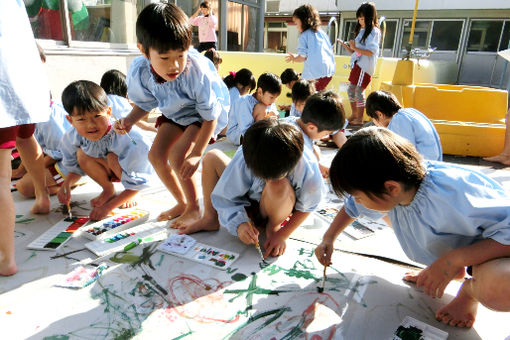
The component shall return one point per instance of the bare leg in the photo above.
(490, 286)
(339, 138)
(158, 156)
(504, 156)
(112, 160)
(213, 165)
(98, 170)
(178, 152)
(354, 111)
(33, 160)
(26, 187)
(277, 202)
(7, 261)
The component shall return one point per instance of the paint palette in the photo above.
(410, 328)
(356, 230)
(60, 233)
(147, 232)
(201, 253)
(114, 224)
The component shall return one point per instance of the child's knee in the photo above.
(25, 186)
(81, 157)
(279, 188)
(491, 284)
(156, 158)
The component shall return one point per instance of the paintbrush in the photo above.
(68, 205)
(122, 128)
(321, 288)
(257, 245)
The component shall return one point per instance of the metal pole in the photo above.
(411, 36)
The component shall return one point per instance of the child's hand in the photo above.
(323, 252)
(98, 213)
(247, 233)
(324, 170)
(122, 126)
(436, 277)
(290, 58)
(352, 44)
(189, 166)
(275, 245)
(64, 193)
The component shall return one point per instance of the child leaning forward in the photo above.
(445, 216)
(189, 92)
(269, 179)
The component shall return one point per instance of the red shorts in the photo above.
(321, 83)
(163, 119)
(8, 135)
(57, 176)
(359, 78)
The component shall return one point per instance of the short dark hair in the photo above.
(114, 82)
(371, 157)
(309, 17)
(288, 75)
(269, 82)
(272, 148)
(205, 4)
(383, 101)
(325, 110)
(302, 89)
(163, 27)
(369, 12)
(244, 77)
(84, 96)
(213, 56)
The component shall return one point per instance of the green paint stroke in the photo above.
(21, 220)
(277, 313)
(293, 272)
(32, 255)
(56, 337)
(239, 277)
(160, 260)
(123, 257)
(231, 270)
(183, 335)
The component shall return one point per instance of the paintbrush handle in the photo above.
(122, 127)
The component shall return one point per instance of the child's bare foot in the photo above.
(103, 197)
(209, 223)
(501, 158)
(461, 311)
(8, 268)
(187, 217)
(172, 213)
(128, 204)
(413, 276)
(41, 205)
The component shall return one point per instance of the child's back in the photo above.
(240, 117)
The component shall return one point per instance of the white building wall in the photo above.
(393, 5)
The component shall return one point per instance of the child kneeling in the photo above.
(445, 216)
(267, 180)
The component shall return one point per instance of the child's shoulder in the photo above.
(139, 69)
(459, 177)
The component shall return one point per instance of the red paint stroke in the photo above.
(197, 299)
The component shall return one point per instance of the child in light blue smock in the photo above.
(93, 148)
(251, 108)
(185, 86)
(314, 47)
(268, 179)
(49, 135)
(323, 114)
(365, 50)
(386, 111)
(444, 216)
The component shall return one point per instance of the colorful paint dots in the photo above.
(115, 224)
(60, 233)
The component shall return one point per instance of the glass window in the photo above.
(484, 35)
(391, 31)
(276, 37)
(349, 30)
(242, 28)
(505, 38)
(421, 34)
(446, 35)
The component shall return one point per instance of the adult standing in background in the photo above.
(24, 101)
(206, 23)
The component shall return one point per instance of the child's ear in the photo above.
(69, 119)
(393, 188)
(141, 49)
(379, 115)
(311, 127)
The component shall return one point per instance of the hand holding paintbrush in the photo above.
(119, 128)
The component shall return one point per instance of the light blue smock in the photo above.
(367, 63)
(24, 90)
(419, 130)
(120, 106)
(49, 134)
(237, 185)
(454, 207)
(320, 59)
(198, 94)
(137, 172)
